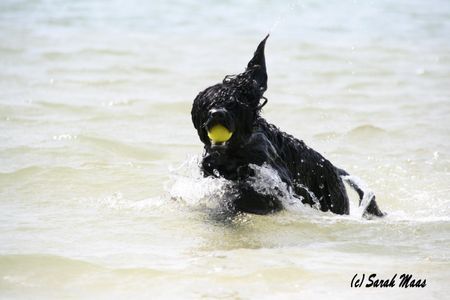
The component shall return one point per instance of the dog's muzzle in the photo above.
(219, 126)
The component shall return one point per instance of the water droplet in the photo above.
(420, 71)
(435, 155)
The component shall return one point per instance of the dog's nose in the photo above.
(218, 113)
(220, 116)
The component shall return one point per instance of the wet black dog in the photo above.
(228, 122)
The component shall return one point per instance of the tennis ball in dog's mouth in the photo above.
(219, 134)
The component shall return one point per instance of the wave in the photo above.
(108, 70)
(64, 107)
(43, 262)
(151, 153)
(60, 55)
(47, 274)
(366, 130)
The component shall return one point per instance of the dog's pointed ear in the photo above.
(257, 66)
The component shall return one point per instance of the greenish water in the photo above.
(100, 194)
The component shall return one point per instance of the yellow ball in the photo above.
(219, 134)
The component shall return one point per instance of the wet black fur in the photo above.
(236, 103)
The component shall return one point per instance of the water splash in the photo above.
(368, 194)
(216, 193)
(283, 15)
(267, 182)
(188, 186)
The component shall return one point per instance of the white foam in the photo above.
(267, 182)
(188, 185)
(368, 196)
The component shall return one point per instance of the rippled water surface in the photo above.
(100, 194)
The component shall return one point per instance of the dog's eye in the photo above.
(232, 104)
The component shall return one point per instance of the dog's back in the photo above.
(308, 169)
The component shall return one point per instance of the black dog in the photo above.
(227, 119)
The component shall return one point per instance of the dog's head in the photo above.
(224, 114)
